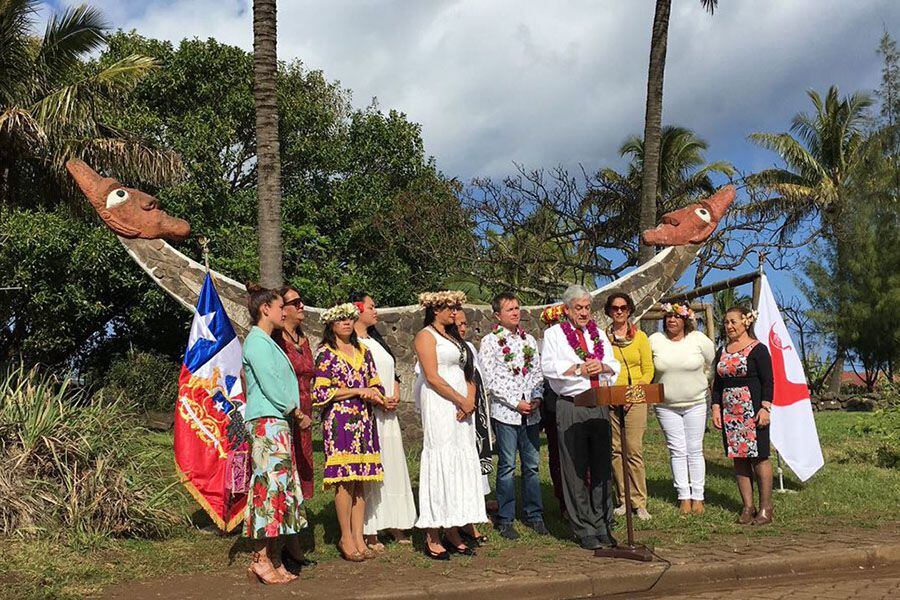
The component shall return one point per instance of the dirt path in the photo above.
(527, 571)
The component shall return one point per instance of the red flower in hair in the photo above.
(360, 307)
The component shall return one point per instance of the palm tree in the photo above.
(265, 97)
(653, 115)
(51, 104)
(683, 175)
(824, 159)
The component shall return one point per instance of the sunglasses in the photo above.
(619, 308)
(296, 303)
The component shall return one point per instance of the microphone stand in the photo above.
(631, 551)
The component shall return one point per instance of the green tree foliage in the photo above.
(855, 295)
(360, 197)
(80, 294)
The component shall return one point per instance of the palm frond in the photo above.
(19, 130)
(796, 157)
(710, 5)
(69, 36)
(15, 60)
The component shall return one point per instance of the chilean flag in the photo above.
(211, 450)
(793, 428)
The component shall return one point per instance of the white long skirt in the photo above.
(389, 504)
(450, 483)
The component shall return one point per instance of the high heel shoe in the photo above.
(684, 507)
(270, 576)
(355, 556)
(697, 507)
(473, 540)
(747, 515)
(435, 555)
(465, 550)
(764, 516)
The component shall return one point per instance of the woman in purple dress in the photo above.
(346, 388)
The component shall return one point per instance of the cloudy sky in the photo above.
(544, 83)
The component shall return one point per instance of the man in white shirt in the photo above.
(576, 356)
(511, 365)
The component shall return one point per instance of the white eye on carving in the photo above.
(116, 197)
(703, 214)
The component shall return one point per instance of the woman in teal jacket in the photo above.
(274, 502)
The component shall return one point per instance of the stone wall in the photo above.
(852, 402)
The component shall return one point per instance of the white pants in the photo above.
(684, 429)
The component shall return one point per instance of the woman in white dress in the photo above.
(450, 471)
(389, 505)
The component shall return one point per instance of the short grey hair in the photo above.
(575, 292)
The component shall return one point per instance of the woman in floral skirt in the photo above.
(742, 399)
(346, 388)
(274, 506)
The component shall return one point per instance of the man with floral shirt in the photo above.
(515, 385)
(577, 357)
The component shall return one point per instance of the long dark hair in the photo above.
(256, 297)
(329, 337)
(371, 330)
(284, 290)
(453, 331)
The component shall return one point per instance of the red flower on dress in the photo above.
(259, 494)
(272, 528)
(279, 504)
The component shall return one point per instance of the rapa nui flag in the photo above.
(210, 441)
(793, 428)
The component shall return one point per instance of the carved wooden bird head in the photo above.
(129, 212)
(692, 224)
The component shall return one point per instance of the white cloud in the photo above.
(542, 83)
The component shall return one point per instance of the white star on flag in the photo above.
(200, 328)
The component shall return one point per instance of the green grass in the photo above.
(855, 489)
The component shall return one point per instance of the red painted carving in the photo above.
(129, 212)
(692, 224)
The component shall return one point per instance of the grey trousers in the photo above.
(585, 449)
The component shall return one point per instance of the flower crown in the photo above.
(442, 299)
(340, 312)
(553, 314)
(749, 318)
(682, 310)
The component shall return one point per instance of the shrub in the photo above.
(72, 466)
(144, 379)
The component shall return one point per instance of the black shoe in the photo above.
(471, 540)
(293, 565)
(465, 550)
(607, 541)
(590, 542)
(508, 531)
(537, 526)
(435, 555)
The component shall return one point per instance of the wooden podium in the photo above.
(616, 397)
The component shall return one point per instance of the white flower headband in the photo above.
(441, 299)
(749, 318)
(682, 310)
(340, 312)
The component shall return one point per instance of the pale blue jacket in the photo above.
(272, 389)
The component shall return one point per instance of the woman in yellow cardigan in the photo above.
(632, 349)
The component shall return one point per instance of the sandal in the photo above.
(474, 540)
(355, 556)
(747, 515)
(270, 576)
(764, 516)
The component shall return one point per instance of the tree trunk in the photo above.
(653, 122)
(265, 97)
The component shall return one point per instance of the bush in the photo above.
(148, 381)
(73, 467)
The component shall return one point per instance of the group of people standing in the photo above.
(475, 403)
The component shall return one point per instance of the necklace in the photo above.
(509, 355)
(593, 332)
(462, 351)
(295, 341)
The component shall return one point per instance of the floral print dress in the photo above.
(349, 435)
(743, 381)
(274, 506)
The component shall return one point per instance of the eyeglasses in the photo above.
(619, 308)
(296, 303)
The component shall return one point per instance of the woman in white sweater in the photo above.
(682, 359)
